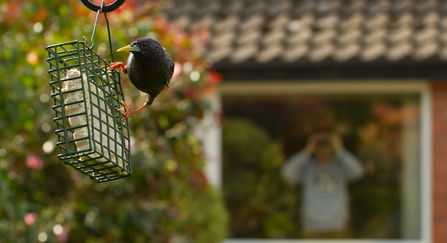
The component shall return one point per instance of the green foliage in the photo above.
(251, 174)
(167, 197)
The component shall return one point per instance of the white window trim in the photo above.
(276, 87)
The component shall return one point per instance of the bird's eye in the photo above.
(144, 44)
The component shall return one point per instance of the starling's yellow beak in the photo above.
(129, 48)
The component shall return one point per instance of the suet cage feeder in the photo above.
(91, 134)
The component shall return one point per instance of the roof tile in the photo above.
(269, 53)
(324, 36)
(374, 36)
(243, 53)
(349, 37)
(354, 21)
(252, 21)
(321, 52)
(425, 35)
(251, 36)
(373, 51)
(400, 34)
(218, 54)
(296, 52)
(224, 39)
(304, 31)
(399, 50)
(346, 52)
(426, 51)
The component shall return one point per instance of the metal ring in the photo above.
(106, 9)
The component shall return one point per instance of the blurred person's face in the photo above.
(324, 152)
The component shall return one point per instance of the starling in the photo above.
(149, 67)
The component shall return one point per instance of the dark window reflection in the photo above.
(261, 132)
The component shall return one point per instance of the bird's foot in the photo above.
(127, 112)
(115, 65)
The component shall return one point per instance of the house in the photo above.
(371, 70)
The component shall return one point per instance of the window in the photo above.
(385, 125)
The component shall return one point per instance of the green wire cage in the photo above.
(91, 136)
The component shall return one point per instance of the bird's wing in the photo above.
(171, 66)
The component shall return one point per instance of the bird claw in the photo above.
(127, 112)
(115, 65)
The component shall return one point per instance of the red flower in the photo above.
(30, 218)
(34, 162)
(215, 77)
(63, 236)
(161, 24)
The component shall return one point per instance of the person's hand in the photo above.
(336, 142)
(312, 144)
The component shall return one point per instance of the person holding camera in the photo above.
(324, 169)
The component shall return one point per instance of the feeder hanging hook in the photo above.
(104, 9)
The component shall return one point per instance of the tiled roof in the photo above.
(315, 31)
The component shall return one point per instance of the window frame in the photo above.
(312, 87)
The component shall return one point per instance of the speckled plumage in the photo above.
(151, 69)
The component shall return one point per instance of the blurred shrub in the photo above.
(167, 199)
(260, 202)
